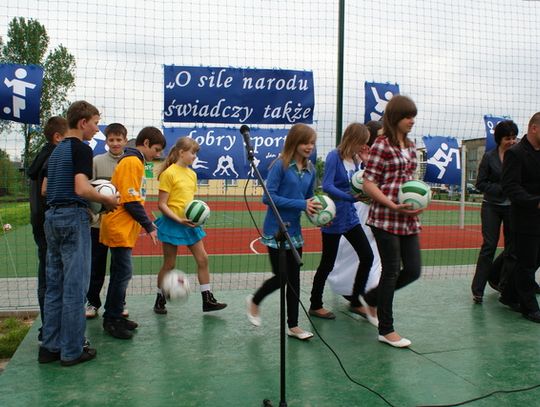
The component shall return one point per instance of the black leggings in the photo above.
(273, 284)
(330, 244)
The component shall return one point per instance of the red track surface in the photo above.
(238, 240)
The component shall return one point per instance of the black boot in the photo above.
(209, 303)
(159, 305)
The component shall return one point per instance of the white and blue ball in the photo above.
(326, 214)
(103, 187)
(197, 211)
(415, 193)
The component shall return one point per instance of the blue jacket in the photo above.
(336, 183)
(289, 189)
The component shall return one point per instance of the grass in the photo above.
(12, 332)
(15, 213)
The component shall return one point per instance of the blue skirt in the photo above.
(177, 234)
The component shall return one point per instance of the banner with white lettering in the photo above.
(222, 154)
(443, 161)
(195, 94)
(20, 92)
(490, 123)
(377, 96)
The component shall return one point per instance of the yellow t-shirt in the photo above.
(181, 184)
(118, 228)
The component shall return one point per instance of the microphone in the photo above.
(244, 131)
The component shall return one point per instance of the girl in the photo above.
(290, 184)
(495, 208)
(177, 187)
(392, 161)
(340, 164)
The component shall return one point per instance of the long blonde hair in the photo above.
(182, 144)
(298, 134)
(355, 134)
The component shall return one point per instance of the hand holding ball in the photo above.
(415, 193)
(327, 212)
(104, 187)
(197, 211)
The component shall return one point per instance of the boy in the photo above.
(67, 227)
(120, 229)
(103, 168)
(55, 130)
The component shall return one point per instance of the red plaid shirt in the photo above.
(388, 167)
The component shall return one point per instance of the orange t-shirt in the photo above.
(118, 228)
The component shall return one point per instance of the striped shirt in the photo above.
(389, 167)
(69, 158)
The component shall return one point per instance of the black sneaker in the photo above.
(86, 355)
(210, 303)
(159, 305)
(129, 324)
(46, 356)
(117, 328)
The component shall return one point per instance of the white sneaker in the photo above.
(91, 311)
(254, 319)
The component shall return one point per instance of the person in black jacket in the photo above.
(495, 205)
(54, 131)
(521, 183)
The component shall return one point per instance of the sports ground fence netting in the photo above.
(458, 60)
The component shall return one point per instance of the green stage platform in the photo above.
(460, 351)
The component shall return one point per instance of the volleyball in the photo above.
(104, 187)
(326, 213)
(415, 193)
(357, 182)
(197, 211)
(175, 285)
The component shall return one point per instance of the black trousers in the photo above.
(99, 268)
(38, 231)
(527, 250)
(273, 284)
(330, 244)
(394, 251)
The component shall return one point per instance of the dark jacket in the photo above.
(36, 174)
(521, 182)
(489, 178)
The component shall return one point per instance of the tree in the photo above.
(28, 43)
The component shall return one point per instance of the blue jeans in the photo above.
(120, 275)
(68, 276)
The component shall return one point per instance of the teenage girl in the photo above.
(392, 161)
(290, 183)
(177, 187)
(341, 163)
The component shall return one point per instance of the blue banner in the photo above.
(490, 123)
(443, 160)
(222, 154)
(194, 94)
(377, 96)
(20, 92)
(98, 141)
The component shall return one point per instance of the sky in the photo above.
(458, 60)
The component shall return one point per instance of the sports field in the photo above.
(233, 246)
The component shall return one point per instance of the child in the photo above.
(103, 168)
(290, 183)
(67, 227)
(392, 161)
(177, 187)
(120, 229)
(55, 130)
(340, 164)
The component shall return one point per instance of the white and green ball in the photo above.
(357, 182)
(103, 187)
(197, 211)
(326, 214)
(415, 193)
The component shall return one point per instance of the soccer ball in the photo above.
(7, 227)
(175, 285)
(197, 211)
(104, 187)
(357, 182)
(326, 213)
(415, 193)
